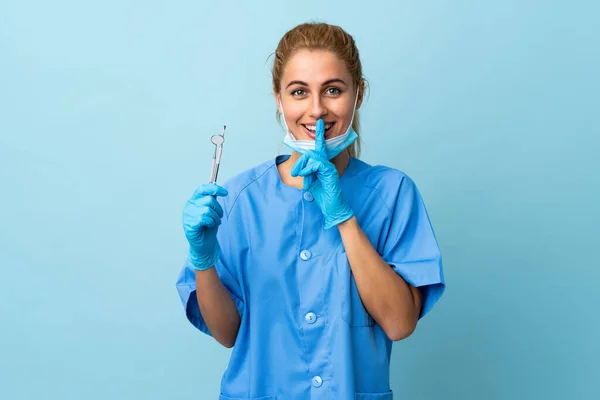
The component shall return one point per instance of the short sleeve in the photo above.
(410, 246)
(186, 281)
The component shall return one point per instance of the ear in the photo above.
(361, 93)
(278, 101)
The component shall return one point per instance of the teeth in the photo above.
(314, 127)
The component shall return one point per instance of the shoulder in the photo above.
(239, 184)
(380, 177)
(393, 188)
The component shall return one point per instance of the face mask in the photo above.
(334, 146)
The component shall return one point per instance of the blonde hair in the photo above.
(321, 36)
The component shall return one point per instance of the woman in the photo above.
(311, 264)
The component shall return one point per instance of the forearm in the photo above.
(217, 307)
(390, 300)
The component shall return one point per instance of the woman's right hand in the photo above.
(201, 218)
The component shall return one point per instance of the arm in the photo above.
(202, 216)
(217, 307)
(390, 300)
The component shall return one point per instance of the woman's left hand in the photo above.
(321, 179)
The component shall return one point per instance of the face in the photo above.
(316, 84)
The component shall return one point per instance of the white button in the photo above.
(317, 381)
(305, 255)
(311, 318)
(308, 196)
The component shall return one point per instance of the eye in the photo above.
(298, 92)
(333, 91)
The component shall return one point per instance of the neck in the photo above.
(340, 161)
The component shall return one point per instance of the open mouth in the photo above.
(311, 130)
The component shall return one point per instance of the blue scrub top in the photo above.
(304, 331)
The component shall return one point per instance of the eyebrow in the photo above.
(328, 82)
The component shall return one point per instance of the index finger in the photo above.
(320, 136)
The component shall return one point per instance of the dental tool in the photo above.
(218, 141)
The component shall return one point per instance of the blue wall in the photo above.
(106, 111)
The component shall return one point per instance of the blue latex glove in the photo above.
(321, 178)
(201, 218)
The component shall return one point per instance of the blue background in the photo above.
(106, 112)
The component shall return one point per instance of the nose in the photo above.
(317, 108)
